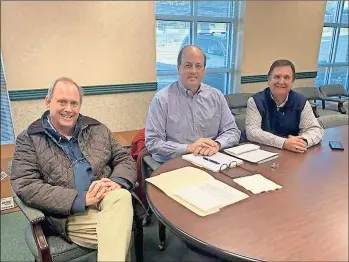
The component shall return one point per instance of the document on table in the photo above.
(196, 190)
(215, 163)
(257, 183)
(210, 196)
(251, 153)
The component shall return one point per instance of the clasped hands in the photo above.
(295, 144)
(203, 147)
(99, 189)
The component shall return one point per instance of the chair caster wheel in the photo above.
(161, 246)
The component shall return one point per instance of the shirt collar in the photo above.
(186, 91)
(46, 120)
(282, 104)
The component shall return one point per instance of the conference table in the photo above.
(306, 220)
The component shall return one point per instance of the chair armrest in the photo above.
(314, 107)
(151, 162)
(33, 215)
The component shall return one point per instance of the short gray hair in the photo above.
(66, 80)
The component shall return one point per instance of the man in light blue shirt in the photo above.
(189, 116)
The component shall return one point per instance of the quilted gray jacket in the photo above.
(42, 174)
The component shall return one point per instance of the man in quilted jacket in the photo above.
(70, 167)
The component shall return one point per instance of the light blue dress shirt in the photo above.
(177, 118)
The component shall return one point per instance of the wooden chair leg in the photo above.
(138, 240)
(162, 236)
(41, 243)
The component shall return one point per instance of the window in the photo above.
(212, 25)
(333, 56)
(7, 135)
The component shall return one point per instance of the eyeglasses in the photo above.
(230, 165)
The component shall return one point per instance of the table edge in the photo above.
(196, 242)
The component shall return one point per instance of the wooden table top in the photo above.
(306, 220)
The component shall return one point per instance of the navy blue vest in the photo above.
(282, 122)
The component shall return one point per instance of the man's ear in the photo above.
(47, 102)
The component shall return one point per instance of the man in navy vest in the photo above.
(280, 117)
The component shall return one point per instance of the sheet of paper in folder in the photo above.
(197, 190)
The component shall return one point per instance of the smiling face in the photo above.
(192, 68)
(64, 107)
(280, 82)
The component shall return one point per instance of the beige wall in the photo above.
(281, 29)
(100, 43)
(255, 87)
(120, 112)
(95, 43)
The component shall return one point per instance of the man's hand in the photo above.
(204, 147)
(110, 184)
(99, 189)
(295, 144)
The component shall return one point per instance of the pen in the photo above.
(211, 160)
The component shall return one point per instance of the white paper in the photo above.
(223, 160)
(7, 203)
(257, 183)
(237, 150)
(255, 156)
(211, 195)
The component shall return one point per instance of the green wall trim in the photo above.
(20, 95)
(264, 78)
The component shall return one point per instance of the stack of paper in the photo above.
(197, 190)
(216, 162)
(257, 183)
(251, 153)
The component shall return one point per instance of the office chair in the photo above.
(238, 105)
(47, 246)
(334, 93)
(238, 102)
(313, 94)
(149, 165)
(333, 121)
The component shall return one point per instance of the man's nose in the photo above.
(68, 108)
(193, 70)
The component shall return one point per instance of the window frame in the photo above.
(232, 75)
(337, 25)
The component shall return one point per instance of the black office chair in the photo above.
(47, 246)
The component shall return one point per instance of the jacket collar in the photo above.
(38, 126)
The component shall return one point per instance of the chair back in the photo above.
(330, 121)
(310, 93)
(238, 102)
(333, 90)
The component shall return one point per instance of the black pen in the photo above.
(211, 160)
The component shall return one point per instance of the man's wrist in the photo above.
(219, 145)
